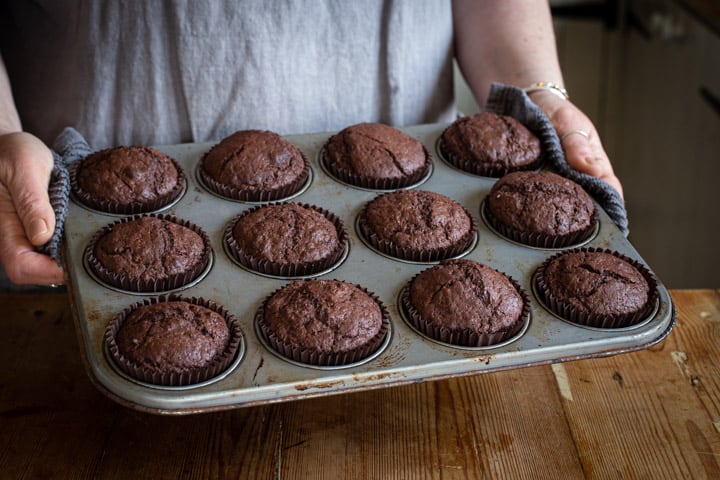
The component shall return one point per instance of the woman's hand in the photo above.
(27, 219)
(579, 139)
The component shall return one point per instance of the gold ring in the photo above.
(572, 132)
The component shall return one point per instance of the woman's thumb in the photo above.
(26, 178)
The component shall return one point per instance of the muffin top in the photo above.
(541, 202)
(286, 233)
(125, 176)
(148, 249)
(253, 164)
(172, 336)
(464, 294)
(368, 152)
(596, 283)
(490, 144)
(418, 220)
(323, 315)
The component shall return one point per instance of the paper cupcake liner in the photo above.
(571, 314)
(138, 207)
(464, 337)
(320, 358)
(260, 195)
(155, 285)
(282, 269)
(371, 183)
(481, 169)
(540, 240)
(175, 377)
(414, 255)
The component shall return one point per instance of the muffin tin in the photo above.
(259, 375)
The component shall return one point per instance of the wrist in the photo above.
(551, 87)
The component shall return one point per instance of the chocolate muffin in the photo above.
(127, 180)
(540, 209)
(323, 322)
(598, 288)
(254, 165)
(173, 340)
(463, 302)
(417, 225)
(150, 253)
(286, 239)
(490, 144)
(376, 156)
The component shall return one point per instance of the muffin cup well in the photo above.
(268, 267)
(133, 208)
(257, 195)
(176, 377)
(154, 285)
(371, 183)
(573, 315)
(320, 358)
(464, 337)
(540, 240)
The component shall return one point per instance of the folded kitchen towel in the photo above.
(513, 101)
(69, 147)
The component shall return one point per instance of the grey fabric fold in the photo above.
(69, 147)
(513, 101)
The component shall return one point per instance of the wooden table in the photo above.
(648, 414)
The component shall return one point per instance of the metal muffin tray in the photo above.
(259, 375)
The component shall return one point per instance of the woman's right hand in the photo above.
(27, 219)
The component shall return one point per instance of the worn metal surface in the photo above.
(261, 376)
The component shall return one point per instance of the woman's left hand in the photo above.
(578, 137)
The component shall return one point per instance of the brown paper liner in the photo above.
(571, 314)
(244, 195)
(174, 378)
(134, 208)
(428, 255)
(540, 240)
(287, 270)
(483, 169)
(320, 358)
(157, 285)
(371, 183)
(463, 337)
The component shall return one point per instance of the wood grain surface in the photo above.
(648, 414)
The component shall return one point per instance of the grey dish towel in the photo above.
(70, 146)
(513, 101)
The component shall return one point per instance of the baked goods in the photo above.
(127, 180)
(490, 144)
(376, 156)
(149, 253)
(254, 165)
(466, 303)
(173, 340)
(417, 225)
(596, 287)
(286, 239)
(323, 322)
(540, 209)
